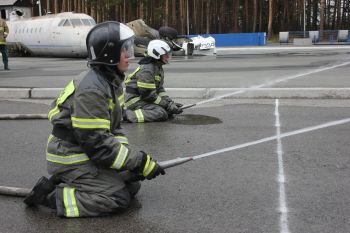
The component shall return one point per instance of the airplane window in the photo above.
(61, 22)
(92, 22)
(86, 22)
(76, 22)
(40, 30)
(67, 23)
(35, 29)
(31, 30)
(27, 30)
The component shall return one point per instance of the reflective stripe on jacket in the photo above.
(145, 83)
(86, 125)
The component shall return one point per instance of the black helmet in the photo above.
(105, 41)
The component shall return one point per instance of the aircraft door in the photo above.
(67, 38)
(60, 38)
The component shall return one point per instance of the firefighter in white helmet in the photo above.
(145, 97)
(94, 171)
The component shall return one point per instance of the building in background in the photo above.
(7, 6)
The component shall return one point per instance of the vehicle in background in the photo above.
(57, 35)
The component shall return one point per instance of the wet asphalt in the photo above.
(235, 191)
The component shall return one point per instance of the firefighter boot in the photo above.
(38, 195)
(6, 66)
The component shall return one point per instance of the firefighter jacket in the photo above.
(86, 126)
(4, 31)
(146, 84)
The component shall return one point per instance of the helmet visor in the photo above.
(128, 48)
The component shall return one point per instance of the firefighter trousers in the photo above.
(145, 112)
(90, 194)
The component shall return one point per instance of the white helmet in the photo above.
(157, 48)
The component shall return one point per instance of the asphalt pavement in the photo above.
(265, 162)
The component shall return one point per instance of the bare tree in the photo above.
(255, 11)
(269, 27)
(322, 19)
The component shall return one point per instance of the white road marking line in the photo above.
(267, 139)
(271, 83)
(283, 209)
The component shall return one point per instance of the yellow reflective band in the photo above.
(149, 166)
(68, 90)
(148, 159)
(121, 100)
(130, 76)
(139, 115)
(86, 123)
(66, 159)
(53, 112)
(122, 139)
(163, 94)
(110, 104)
(157, 78)
(146, 85)
(132, 101)
(121, 157)
(157, 101)
(49, 139)
(70, 202)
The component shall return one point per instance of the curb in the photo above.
(202, 93)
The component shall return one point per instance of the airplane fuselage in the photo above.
(58, 35)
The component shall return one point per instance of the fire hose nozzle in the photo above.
(188, 106)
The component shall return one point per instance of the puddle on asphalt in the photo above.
(192, 119)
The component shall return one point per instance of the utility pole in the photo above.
(188, 20)
(304, 19)
(124, 11)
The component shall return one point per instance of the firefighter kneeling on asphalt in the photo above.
(93, 170)
(145, 97)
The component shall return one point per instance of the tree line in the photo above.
(215, 16)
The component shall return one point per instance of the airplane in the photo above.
(57, 35)
(64, 35)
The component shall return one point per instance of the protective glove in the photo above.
(174, 109)
(164, 104)
(149, 168)
(179, 105)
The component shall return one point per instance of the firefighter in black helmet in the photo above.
(93, 170)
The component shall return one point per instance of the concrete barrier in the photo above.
(302, 41)
(45, 93)
(15, 93)
(314, 36)
(343, 35)
(283, 37)
(281, 93)
(201, 93)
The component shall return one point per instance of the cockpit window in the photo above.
(92, 22)
(86, 22)
(76, 22)
(61, 22)
(67, 23)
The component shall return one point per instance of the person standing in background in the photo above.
(4, 31)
